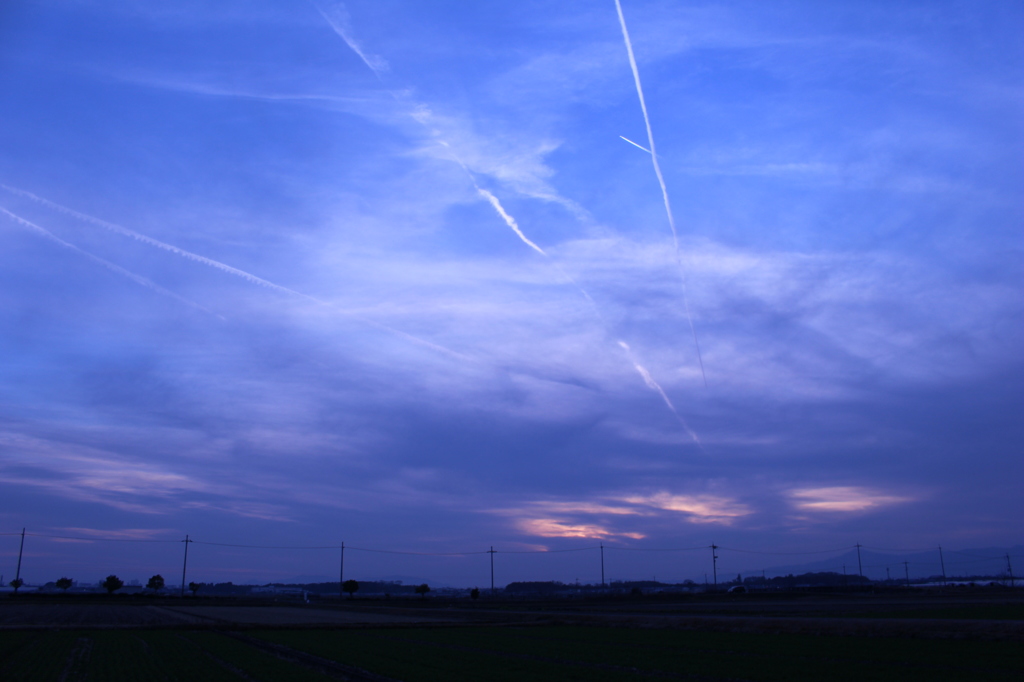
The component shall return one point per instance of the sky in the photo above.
(403, 275)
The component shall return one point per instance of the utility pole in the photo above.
(942, 562)
(714, 563)
(602, 565)
(1009, 567)
(491, 552)
(860, 567)
(906, 571)
(341, 573)
(184, 564)
(17, 576)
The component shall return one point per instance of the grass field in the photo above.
(970, 612)
(578, 653)
(497, 653)
(139, 655)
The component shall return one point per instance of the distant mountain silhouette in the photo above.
(989, 561)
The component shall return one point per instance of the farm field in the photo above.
(494, 653)
(594, 653)
(139, 655)
(69, 614)
(754, 637)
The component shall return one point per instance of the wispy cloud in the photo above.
(696, 508)
(425, 343)
(551, 528)
(509, 220)
(656, 387)
(115, 533)
(423, 115)
(337, 16)
(138, 279)
(209, 87)
(661, 183)
(150, 241)
(81, 472)
(844, 499)
(620, 516)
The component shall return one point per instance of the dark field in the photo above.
(808, 638)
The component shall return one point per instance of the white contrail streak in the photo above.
(153, 242)
(248, 276)
(661, 181)
(337, 17)
(509, 220)
(343, 29)
(138, 279)
(638, 146)
(654, 386)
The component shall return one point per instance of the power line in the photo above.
(899, 549)
(754, 551)
(548, 551)
(975, 558)
(392, 551)
(225, 544)
(655, 549)
(89, 539)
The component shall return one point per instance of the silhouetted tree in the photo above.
(350, 586)
(16, 583)
(422, 590)
(156, 583)
(475, 594)
(194, 587)
(64, 583)
(112, 584)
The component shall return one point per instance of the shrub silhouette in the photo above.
(64, 583)
(112, 584)
(156, 583)
(16, 583)
(194, 587)
(422, 590)
(350, 586)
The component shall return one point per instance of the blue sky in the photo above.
(261, 282)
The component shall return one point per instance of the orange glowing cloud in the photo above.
(590, 519)
(842, 499)
(582, 508)
(700, 508)
(551, 528)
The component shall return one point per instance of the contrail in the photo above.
(343, 29)
(138, 279)
(205, 261)
(661, 181)
(635, 144)
(644, 373)
(337, 17)
(654, 386)
(153, 242)
(509, 220)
